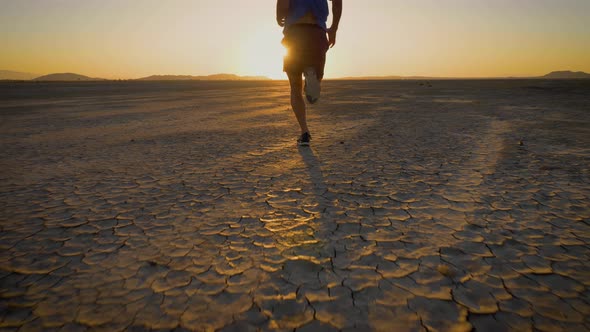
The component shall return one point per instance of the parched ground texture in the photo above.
(187, 205)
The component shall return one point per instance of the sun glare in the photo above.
(262, 54)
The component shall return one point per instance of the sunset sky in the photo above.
(136, 38)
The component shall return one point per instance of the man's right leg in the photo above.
(312, 85)
(314, 60)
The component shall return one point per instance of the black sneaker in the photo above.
(304, 139)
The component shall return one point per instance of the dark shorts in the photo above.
(307, 45)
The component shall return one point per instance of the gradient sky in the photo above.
(135, 38)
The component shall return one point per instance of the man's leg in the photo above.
(297, 102)
(312, 85)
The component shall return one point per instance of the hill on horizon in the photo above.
(215, 77)
(567, 74)
(66, 77)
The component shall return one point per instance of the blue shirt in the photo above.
(298, 9)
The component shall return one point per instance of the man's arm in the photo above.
(282, 11)
(337, 13)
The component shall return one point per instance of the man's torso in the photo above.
(308, 12)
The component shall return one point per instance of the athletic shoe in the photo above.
(312, 85)
(304, 139)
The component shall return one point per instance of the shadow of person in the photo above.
(319, 204)
(313, 165)
(326, 210)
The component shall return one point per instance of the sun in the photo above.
(262, 54)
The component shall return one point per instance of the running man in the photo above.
(305, 30)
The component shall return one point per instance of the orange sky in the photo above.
(135, 38)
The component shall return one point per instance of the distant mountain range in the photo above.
(71, 77)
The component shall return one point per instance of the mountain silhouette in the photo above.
(567, 74)
(66, 77)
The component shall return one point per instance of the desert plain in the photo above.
(451, 205)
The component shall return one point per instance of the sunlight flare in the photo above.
(262, 54)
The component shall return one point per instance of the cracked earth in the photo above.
(187, 206)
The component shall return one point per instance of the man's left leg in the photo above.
(298, 105)
(297, 102)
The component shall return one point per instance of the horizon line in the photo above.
(263, 77)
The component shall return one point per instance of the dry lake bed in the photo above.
(440, 206)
